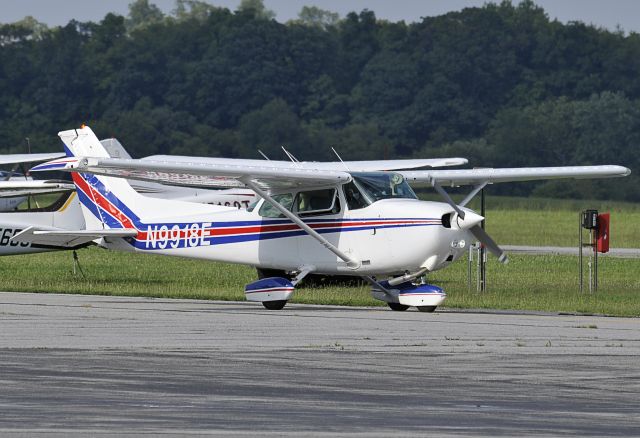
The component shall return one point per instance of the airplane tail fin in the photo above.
(114, 148)
(111, 203)
(101, 207)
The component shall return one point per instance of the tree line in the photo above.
(502, 85)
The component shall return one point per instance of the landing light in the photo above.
(458, 244)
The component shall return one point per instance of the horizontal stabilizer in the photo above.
(29, 158)
(68, 238)
(14, 188)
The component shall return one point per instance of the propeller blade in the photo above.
(488, 242)
(447, 198)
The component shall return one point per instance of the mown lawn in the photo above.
(548, 283)
(553, 222)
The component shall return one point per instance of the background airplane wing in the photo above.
(14, 188)
(200, 174)
(67, 238)
(350, 166)
(29, 158)
(460, 177)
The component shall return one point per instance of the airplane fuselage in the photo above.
(388, 237)
(66, 216)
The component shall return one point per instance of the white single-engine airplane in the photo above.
(322, 218)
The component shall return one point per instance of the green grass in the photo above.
(557, 228)
(553, 222)
(547, 283)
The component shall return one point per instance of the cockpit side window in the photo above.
(46, 202)
(355, 199)
(268, 210)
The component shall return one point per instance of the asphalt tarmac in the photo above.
(106, 366)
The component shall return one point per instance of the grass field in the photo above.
(548, 283)
(554, 222)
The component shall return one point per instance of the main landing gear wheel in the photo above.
(428, 309)
(274, 305)
(397, 307)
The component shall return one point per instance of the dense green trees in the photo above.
(501, 84)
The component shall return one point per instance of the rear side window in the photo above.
(268, 210)
(314, 202)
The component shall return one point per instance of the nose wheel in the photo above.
(397, 307)
(274, 305)
(427, 309)
(399, 297)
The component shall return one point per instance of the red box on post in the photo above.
(602, 235)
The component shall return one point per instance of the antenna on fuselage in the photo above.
(340, 158)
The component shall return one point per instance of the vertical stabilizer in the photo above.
(105, 200)
(114, 148)
(109, 202)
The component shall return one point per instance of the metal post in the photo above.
(478, 266)
(580, 249)
(483, 250)
(591, 262)
(469, 262)
(595, 262)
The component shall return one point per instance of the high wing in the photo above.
(29, 158)
(201, 174)
(66, 238)
(13, 188)
(461, 177)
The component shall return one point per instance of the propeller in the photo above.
(488, 243)
(473, 225)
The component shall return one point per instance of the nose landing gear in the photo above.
(425, 297)
(397, 307)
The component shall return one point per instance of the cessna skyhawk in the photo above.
(319, 218)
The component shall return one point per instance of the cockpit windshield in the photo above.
(383, 185)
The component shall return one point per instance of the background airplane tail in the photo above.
(111, 203)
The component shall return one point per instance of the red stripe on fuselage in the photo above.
(107, 206)
(290, 227)
(102, 202)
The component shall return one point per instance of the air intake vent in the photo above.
(446, 220)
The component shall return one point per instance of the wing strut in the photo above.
(351, 263)
(473, 193)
